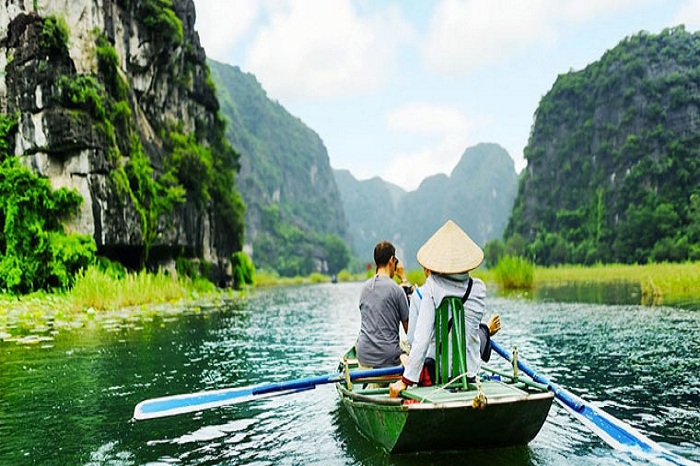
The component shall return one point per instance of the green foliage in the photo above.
(243, 269)
(154, 198)
(8, 127)
(416, 276)
(35, 253)
(108, 66)
(159, 17)
(291, 251)
(83, 92)
(613, 158)
(192, 165)
(493, 251)
(186, 267)
(514, 273)
(110, 268)
(54, 35)
(337, 254)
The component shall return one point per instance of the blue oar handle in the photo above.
(563, 395)
(382, 371)
(283, 386)
(311, 382)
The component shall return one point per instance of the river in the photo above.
(68, 399)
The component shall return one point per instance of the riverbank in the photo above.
(100, 296)
(660, 284)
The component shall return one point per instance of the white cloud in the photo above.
(408, 170)
(578, 11)
(449, 130)
(322, 48)
(465, 35)
(689, 14)
(222, 23)
(427, 118)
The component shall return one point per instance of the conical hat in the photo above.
(450, 250)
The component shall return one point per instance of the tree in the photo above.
(337, 254)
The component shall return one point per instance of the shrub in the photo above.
(54, 35)
(514, 273)
(243, 269)
(35, 253)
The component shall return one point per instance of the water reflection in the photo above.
(588, 292)
(640, 364)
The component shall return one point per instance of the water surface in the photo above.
(69, 400)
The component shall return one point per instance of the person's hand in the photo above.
(396, 388)
(494, 324)
(400, 271)
(404, 359)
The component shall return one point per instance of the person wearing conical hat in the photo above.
(449, 255)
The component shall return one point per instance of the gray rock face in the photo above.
(166, 87)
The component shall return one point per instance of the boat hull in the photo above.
(449, 422)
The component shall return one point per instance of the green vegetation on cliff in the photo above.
(295, 223)
(613, 169)
(35, 252)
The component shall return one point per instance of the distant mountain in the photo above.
(478, 195)
(293, 204)
(370, 208)
(612, 161)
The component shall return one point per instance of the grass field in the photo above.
(660, 283)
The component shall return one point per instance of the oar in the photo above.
(613, 431)
(191, 402)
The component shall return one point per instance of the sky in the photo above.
(400, 88)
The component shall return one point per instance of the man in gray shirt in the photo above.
(383, 307)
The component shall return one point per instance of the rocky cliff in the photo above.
(612, 161)
(114, 100)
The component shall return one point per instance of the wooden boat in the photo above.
(502, 410)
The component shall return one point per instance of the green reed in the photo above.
(660, 283)
(514, 273)
(96, 292)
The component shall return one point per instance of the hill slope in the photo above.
(613, 169)
(294, 220)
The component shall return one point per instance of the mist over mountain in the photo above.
(478, 195)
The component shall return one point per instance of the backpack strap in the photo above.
(469, 290)
(464, 300)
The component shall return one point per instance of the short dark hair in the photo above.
(383, 251)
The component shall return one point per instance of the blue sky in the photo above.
(400, 88)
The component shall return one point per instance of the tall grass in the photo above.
(514, 273)
(97, 291)
(100, 291)
(660, 283)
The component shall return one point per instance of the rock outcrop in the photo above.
(143, 61)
